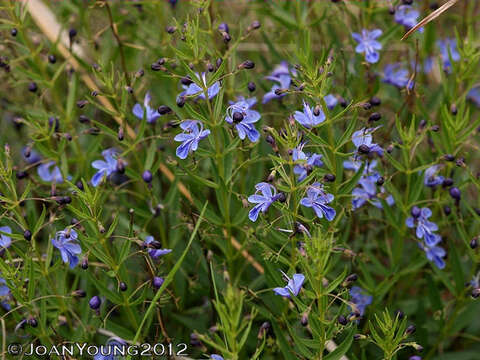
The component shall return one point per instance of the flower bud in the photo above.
(247, 64)
(81, 103)
(415, 212)
(375, 116)
(95, 302)
(170, 29)
(123, 286)
(32, 86)
(157, 282)
(455, 193)
(27, 235)
(410, 329)
(79, 293)
(375, 101)
(52, 59)
(223, 27)
(447, 182)
(329, 177)
(447, 210)
(474, 243)
(449, 157)
(14, 32)
(147, 176)
(342, 320)
(251, 86)
(399, 313)
(84, 264)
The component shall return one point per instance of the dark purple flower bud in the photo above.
(329, 177)
(474, 243)
(460, 162)
(181, 101)
(255, 25)
(407, 2)
(219, 62)
(170, 29)
(342, 320)
(32, 86)
(449, 157)
(380, 181)
(223, 27)
(390, 148)
(363, 149)
(120, 168)
(415, 212)
(21, 174)
(316, 110)
(163, 109)
(14, 32)
(123, 286)
(351, 278)
(367, 106)
(210, 67)
(79, 185)
(435, 128)
(186, 80)
(447, 210)
(147, 176)
(140, 73)
(375, 116)
(251, 86)
(94, 302)
(94, 93)
(434, 6)
(399, 314)
(455, 193)
(476, 293)
(156, 66)
(79, 293)
(52, 59)
(32, 322)
(226, 37)
(83, 119)
(304, 319)
(342, 101)
(263, 330)
(410, 329)
(158, 282)
(453, 109)
(281, 197)
(247, 64)
(27, 235)
(447, 182)
(375, 101)
(81, 103)
(72, 33)
(84, 264)
(237, 116)
(53, 121)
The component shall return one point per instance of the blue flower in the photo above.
(33, 157)
(368, 45)
(281, 75)
(151, 115)
(308, 161)
(240, 114)
(407, 16)
(360, 299)
(446, 46)
(216, 357)
(293, 286)
(66, 242)
(307, 118)
(5, 240)
(196, 90)
(394, 75)
(192, 134)
(364, 137)
(45, 174)
(435, 254)
(368, 192)
(424, 228)
(317, 199)
(430, 178)
(356, 163)
(4, 290)
(155, 252)
(105, 168)
(474, 95)
(331, 101)
(114, 350)
(268, 197)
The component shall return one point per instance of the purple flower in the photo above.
(240, 114)
(360, 299)
(317, 199)
(407, 16)
(216, 357)
(197, 91)
(268, 197)
(33, 157)
(448, 47)
(192, 134)
(155, 252)
(5, 240)
(364, 137)
(368, 45)
(368, 192)
(66, 242)
(430, 178)
(293, 286)
(394, 75)
(48, 175)
(4, 290)
(151, 115)
(158, 282)
(105, 168)
(424, 228)
(355, 164)
(307, 162)
(331, 101)
(113, 350)
(281, 75)
(474, 95)
(307, 118)
(435, 254)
